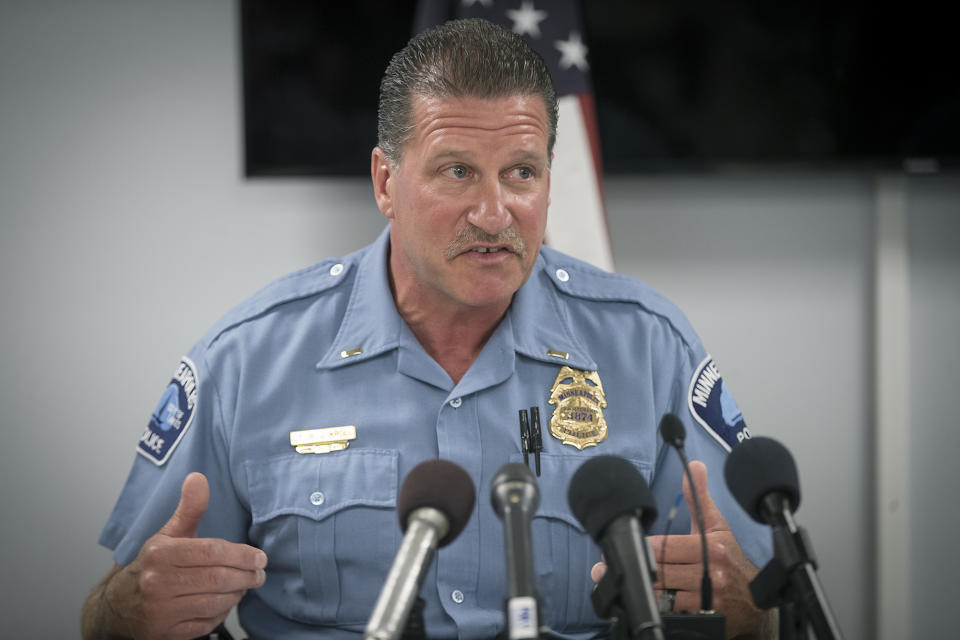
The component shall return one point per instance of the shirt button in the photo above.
(457, 596)
(336, 269)
(456, 402)
(317, 498)
(562, 275)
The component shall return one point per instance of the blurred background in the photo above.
(826, 285)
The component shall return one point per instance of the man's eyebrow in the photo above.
(452, 154)
(467, 155)
(529, 156)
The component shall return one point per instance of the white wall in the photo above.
(127, 229)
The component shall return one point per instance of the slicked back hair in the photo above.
(461, 58)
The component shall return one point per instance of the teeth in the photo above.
(486, 250)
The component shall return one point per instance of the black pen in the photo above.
(536, 439)
(525, 436)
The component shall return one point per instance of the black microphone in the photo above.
(614, 504)
(762, 476)
(515, 498)
(434, 505)
(674, 434)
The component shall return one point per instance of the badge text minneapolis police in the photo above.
(183, 384)
(579, 413)
(700, 395)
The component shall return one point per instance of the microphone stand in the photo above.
(415, 627)
(608, 596)
(790, 582)
(606, 602)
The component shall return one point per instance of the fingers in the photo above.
(194, 498)
(161, 551)
(193, 608)
(192, 629)
(192, 616)
(597, 571)
(199, 580)
(680, 549)
(687, 600)
(713, 520)
(682, 577)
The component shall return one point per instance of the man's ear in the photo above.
(549, 175)
(382, 175)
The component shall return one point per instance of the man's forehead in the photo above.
(518, 106)
(517, 115)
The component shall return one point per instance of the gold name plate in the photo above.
(323, 440)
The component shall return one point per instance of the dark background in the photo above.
(680, 85)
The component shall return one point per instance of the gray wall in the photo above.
(773, 271)
(934, 432)
(127, 229)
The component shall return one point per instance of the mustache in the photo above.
(470, 235)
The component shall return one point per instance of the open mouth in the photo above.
(488, 249)
(476, 242)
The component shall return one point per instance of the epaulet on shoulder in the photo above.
(304, 283)
(588, 282)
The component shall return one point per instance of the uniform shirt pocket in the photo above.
(563, 550)
(328, 525)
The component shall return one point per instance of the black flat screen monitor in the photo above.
(679, 85)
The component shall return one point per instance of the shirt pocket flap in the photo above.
(555, 472)
(317, 486)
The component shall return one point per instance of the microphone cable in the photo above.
(674, 434)
(666, 600)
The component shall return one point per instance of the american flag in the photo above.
(576, 223)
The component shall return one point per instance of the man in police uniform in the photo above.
(305, 407)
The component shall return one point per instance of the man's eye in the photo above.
(522, 173)
(458, 171)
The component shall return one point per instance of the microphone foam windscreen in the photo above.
(442, 485)
(605, 488)
(514, 474)
(757, 467)
(672, 430)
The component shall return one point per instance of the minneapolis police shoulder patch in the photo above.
(173, 415)
(713, 406)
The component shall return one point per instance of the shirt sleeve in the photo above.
(714, 425)
(181, 437)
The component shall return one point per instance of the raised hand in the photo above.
(180, 586)
(730, 571)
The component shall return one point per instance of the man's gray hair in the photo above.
(461, 58)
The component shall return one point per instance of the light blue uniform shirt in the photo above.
(328, 523)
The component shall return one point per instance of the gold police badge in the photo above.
(578, 417)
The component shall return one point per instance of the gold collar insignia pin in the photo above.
(578, 417)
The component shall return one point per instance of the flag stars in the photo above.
(573, 53)
(527, 19)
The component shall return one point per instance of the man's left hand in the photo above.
(730, 571)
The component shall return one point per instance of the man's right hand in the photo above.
(181, 586)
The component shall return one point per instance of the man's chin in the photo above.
(488, 296)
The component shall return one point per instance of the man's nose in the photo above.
(490, 212)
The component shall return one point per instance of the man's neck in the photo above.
(453, 338)
(453, 335)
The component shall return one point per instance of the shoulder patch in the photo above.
(173, 415)
(714, 407)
